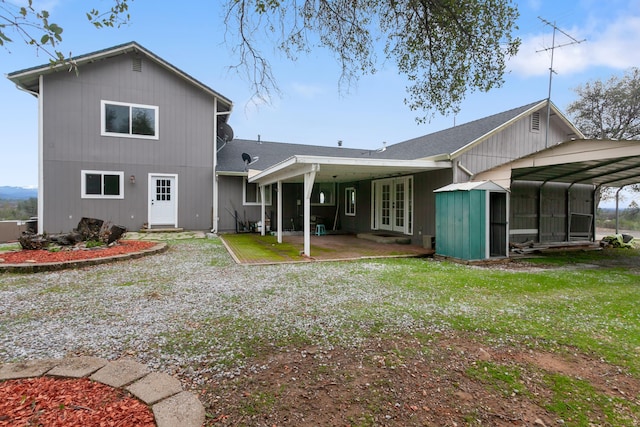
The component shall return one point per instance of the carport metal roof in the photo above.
(607, 163)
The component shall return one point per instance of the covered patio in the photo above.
(310, 169)
(259, 249)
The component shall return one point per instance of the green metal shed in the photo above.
(472, 221)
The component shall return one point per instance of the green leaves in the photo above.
(445, 48)
(609, 109)
(35, 29)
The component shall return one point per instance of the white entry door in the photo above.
(163, 200)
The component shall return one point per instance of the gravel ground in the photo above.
(190, 311)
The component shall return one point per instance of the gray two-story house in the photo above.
(134, 140)
(129, 138)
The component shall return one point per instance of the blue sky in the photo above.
(311, 109)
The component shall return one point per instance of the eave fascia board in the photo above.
(231, 173)
(298, 165)
(18, 76)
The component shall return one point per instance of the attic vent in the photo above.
(136, 64)
(535, 122)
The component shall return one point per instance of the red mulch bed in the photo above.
(43, 255)
(56, 402)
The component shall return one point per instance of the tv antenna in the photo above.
(551, 70)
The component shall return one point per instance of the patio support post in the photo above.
(309, 178)
(279, 211)
(262, 216)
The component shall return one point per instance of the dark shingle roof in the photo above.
(446, 141)
(271, 153)
(450, 140)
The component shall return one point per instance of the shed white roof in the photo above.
(471, 185)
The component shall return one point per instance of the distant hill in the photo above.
(17, 193)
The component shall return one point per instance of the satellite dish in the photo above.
(225, 131)
(246, 158)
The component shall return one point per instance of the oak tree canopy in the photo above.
(446, 49)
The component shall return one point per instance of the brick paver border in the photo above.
(170, 404)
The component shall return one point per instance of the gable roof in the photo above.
(29, 78)
(449, 143)
(441, 145)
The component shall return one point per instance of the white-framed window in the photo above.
(350, 201)
(129, 120)
(251, 194)
(102, 185)
(323, 194)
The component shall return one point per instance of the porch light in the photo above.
(132, 179)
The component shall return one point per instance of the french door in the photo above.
(393, 204)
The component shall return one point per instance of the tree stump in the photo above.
(31, 241)
(90, 228)
(114, 233)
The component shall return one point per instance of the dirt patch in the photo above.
(410, 382)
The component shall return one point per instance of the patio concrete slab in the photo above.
(330, 247)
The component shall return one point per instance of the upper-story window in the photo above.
(129, 120)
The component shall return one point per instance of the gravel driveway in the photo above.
(190, 311)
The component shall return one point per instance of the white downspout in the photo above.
(215, 202)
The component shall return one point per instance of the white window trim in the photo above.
(347, 201)
(83, 184)
(267, 194)
(103, 122)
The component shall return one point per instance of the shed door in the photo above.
(498, 241)
(163, 200)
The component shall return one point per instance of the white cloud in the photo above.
(306, 90)
(612, 45)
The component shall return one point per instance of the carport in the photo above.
(567, 167)
(311, 169)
